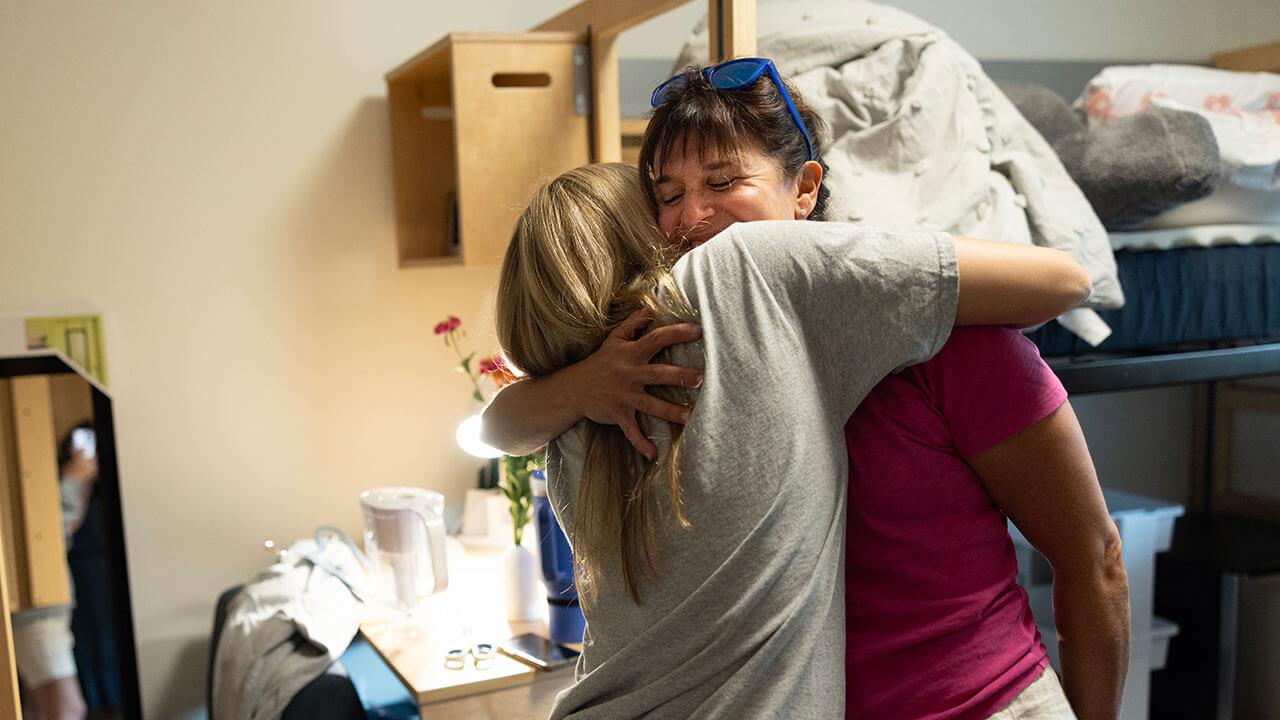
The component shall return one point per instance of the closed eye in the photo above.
(670, 199)
(721, 184)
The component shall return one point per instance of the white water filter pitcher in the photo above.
(404, 538)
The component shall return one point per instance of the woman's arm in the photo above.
(607, 387)
(76, 480)
(1044, 479)
(1000, 284)
(1018, 285)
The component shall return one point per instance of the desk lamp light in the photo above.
(468, 437)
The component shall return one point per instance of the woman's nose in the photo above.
(695, 211)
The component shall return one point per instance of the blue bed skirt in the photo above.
(1186, 298)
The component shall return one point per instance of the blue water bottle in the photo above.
(564, 615)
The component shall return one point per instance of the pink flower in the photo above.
(1273, 101)
(447, 324)
(1220, 103)
(448, 330)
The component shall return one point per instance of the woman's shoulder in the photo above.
(988, 351)
(988, 341)
(796, 239)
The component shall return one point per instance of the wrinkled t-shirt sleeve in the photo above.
(564, 468)
(990, 383)
(866, 302)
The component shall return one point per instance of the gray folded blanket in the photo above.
(1138, 166)
(1134, 167)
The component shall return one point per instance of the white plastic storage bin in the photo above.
(1146, 528)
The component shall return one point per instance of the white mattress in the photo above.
(1195, 236)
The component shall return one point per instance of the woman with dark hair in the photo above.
(710, 578)
(941, 452)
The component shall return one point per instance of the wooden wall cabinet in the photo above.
(478, 121)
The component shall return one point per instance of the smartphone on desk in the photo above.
(538, 651)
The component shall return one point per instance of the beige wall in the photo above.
(1088, 30)
(1122, 30)
(214, 176)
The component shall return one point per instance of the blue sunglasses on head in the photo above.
(735, 75)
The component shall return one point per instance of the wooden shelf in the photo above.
(632, 134)
(478, 120)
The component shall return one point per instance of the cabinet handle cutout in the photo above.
(521, 79)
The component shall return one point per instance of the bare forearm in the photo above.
(1016, 285)
(1043, 478)
(529, 413)
(1093, 641)
(607, 387)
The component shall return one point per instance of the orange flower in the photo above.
(496, 367)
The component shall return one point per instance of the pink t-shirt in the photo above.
(936, 625)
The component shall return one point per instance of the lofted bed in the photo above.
(1202, 308)
(1217, 367)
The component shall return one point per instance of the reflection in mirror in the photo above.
(71, 624)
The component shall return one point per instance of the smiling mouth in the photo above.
(680, 245)
(696, 235)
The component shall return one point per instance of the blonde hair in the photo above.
(586, 254)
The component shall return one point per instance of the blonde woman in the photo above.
(712, 577)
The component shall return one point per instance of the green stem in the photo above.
(462, 362)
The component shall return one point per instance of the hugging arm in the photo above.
(607, 387)
(1044, 480)
(1016, 285)
(1000, 284)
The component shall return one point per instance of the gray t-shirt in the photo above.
(746, 620)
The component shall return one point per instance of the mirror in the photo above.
(65, 573)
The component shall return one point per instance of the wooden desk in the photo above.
(471, 611)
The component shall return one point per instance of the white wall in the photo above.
(215, 177)
(1127, 30)
(1087, 30)
(1142, 441)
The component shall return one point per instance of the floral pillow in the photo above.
(1132, 169)
(1242, 108)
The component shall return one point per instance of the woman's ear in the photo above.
(807, 189)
